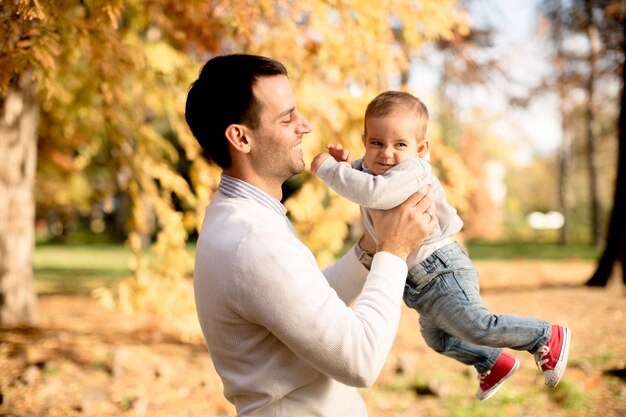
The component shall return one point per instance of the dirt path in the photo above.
(86, 360)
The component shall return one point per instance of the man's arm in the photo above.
(374, 191)
(285, 292)
(347, 276)
(359, 258)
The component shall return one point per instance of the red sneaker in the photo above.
(490, 381)
(552, 357)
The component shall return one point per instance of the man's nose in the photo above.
(303, 124)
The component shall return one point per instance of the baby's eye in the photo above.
(401, 144)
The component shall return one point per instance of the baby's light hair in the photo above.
(391, 102)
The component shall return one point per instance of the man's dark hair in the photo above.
(222, 95)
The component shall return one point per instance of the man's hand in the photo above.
(339, 153)
(402, 229)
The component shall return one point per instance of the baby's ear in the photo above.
(423, 148)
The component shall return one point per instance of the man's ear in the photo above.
(238, 137)
(423, 147)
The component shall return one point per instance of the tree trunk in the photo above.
(616, 237)
(564, 154)
(593, 128)
(19, 114)
(564, 162)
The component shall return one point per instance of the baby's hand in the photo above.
(339, 153)
(317, 161)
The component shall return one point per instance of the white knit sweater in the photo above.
(281, 333)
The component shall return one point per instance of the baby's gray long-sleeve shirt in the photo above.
(390, 189)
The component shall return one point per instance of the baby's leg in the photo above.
(481, 357)
(463, 313)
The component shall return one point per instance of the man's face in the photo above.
(390, 140)
(276, 151)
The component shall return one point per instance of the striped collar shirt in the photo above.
(234, 187)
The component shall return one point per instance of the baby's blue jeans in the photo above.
(455, 321)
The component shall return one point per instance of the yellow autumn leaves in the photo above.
(113, 78)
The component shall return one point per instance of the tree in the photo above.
(564, 152)
(588, 70)
(471, 68)
(615, 245)
(101, 127)
(113, 77)
(18, 152)
(603, 24)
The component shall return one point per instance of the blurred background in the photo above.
(103, 187)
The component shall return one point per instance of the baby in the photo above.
(442, 283)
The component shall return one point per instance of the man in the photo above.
(281, 333)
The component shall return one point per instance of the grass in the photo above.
(528, 250)
(417, 381)
(79, 268)
(569, 396)
(110, 259)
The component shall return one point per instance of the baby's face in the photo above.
(390, 140)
